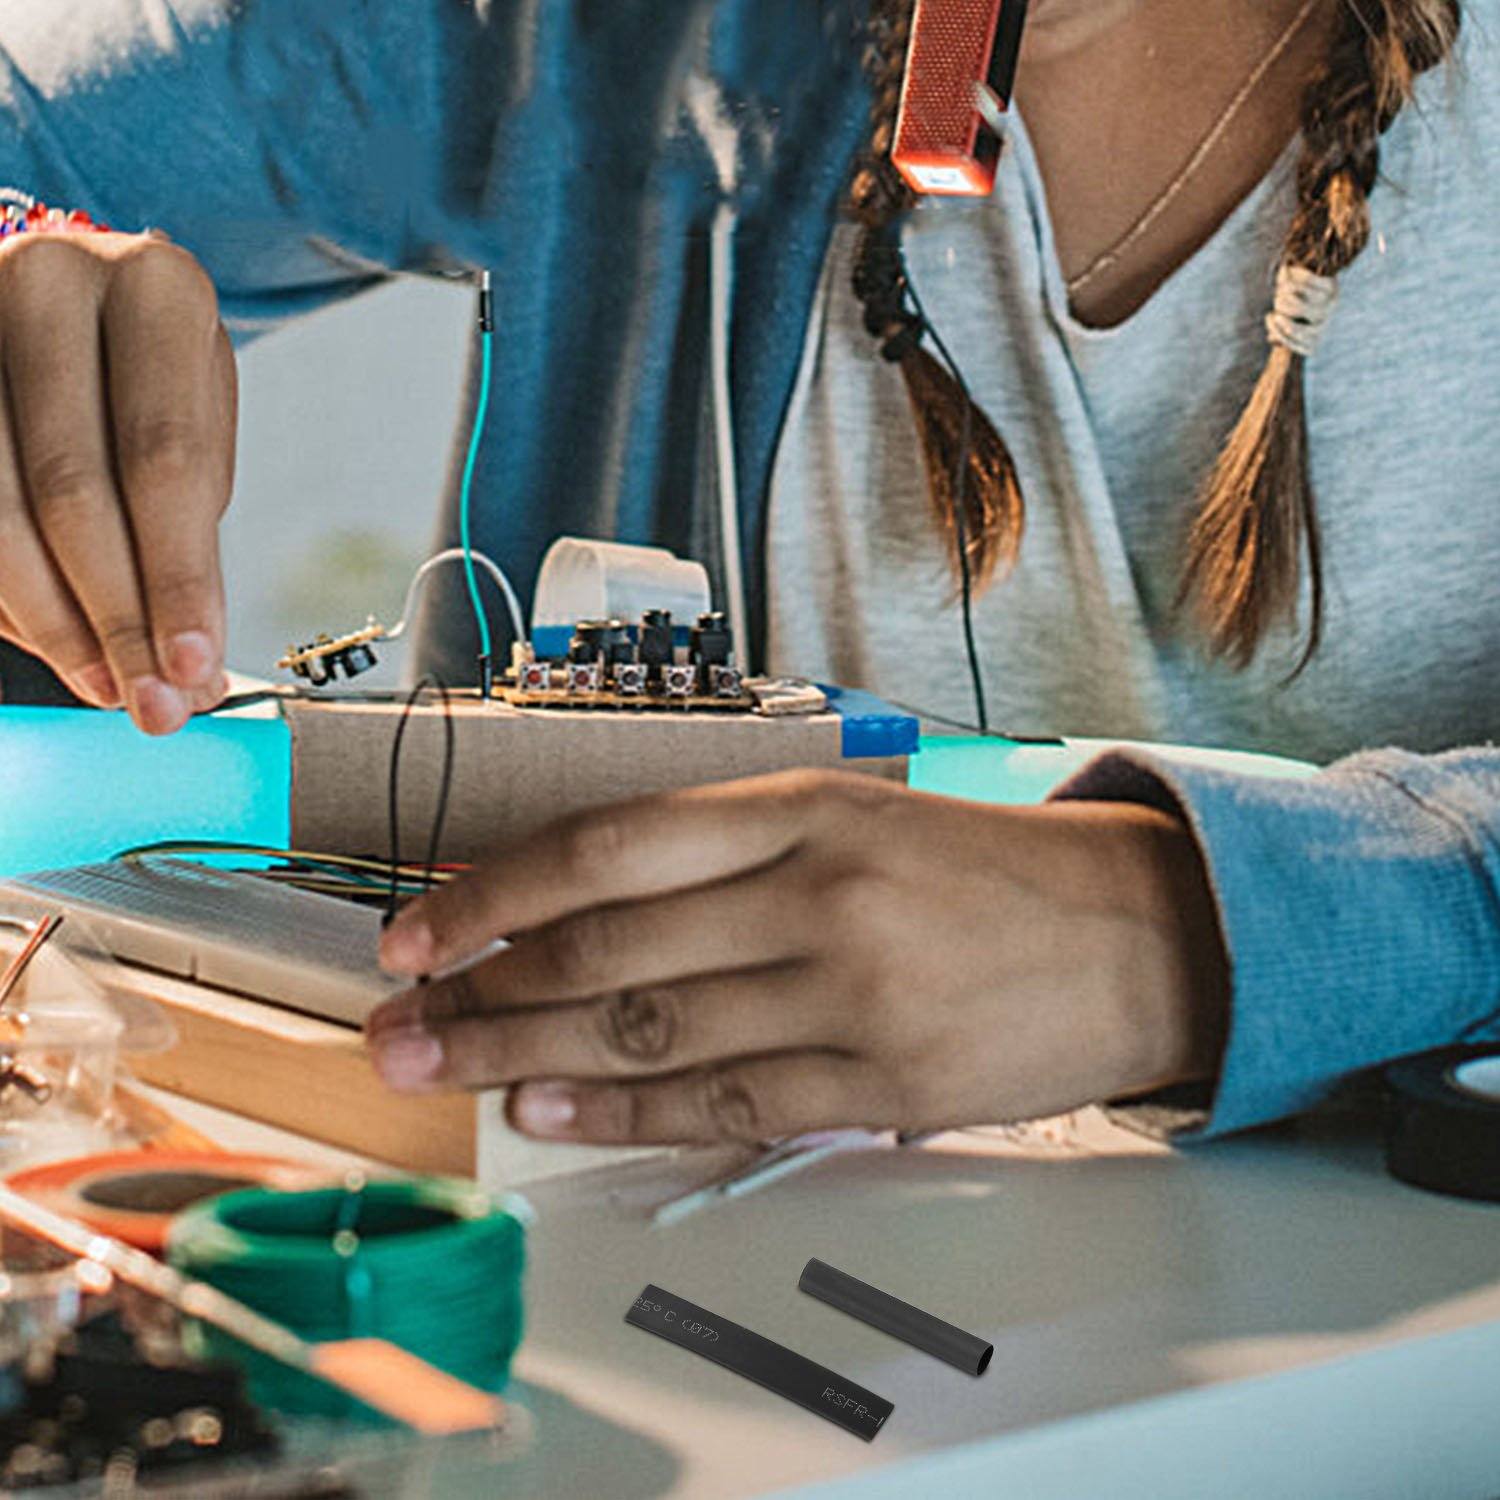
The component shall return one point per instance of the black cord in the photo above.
(948, 722)
(243, 700)
(960, 496)
(393, 798)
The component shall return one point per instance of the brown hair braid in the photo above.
(1257, 510)
(982, 511)
(1257, 513)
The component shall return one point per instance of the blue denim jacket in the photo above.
(580, 149)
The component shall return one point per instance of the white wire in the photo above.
(721, 291)
(456, 554)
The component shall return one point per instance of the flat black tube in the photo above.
(777, 1368)
(964, 1351)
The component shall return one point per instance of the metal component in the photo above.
(486, 304)
(357, 659)
(726, 682)
(321, 660)
(584, 676)
(38, 939)
(631, 678)
(656, 640)
(534, 677)
(16, 1075)
(588, 640)
(617, 645)
(712, 641)
(680, 679)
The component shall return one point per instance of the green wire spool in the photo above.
(434, 1266)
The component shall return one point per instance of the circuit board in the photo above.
(606, 699)
(609, 666)
(769, 697)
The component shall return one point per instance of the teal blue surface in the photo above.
(1000, 770)
(992, 770)
(78, 785)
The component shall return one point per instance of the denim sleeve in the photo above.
(300, 150)
(1360, 909)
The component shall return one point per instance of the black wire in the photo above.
(948, 722)
(960, 495)
(393, 798)
(242, 700)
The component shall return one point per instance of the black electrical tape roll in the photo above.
(964, 1351)
(1443, 1131)
(788, 1374)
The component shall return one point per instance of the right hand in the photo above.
(117, 430)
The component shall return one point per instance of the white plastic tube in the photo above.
(584, 580)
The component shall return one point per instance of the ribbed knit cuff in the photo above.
(1360, 909)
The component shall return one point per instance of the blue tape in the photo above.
(872, 728)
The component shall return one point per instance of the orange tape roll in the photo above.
(135, 1195)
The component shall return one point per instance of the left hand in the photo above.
(808, 950)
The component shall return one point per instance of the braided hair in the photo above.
(980, 510)
(1256, 515)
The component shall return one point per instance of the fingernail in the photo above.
(403, 1011)
(212, 692)
(545, 1108)
(190, 659)
(406, 945)
(407, 1059)
(97, 684)
(158, 708)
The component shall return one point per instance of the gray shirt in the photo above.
(1112, 432)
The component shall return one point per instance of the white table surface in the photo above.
(1270, 1316)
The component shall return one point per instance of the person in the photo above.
(1192, 502)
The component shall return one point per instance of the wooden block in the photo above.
(312, 1077)
(300, 1073)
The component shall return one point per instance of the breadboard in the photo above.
(226, 929)
(238, 963)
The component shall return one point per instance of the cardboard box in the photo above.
(516, 769)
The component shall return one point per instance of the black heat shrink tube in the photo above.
(964, 1351)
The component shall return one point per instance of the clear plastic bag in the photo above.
(63, 1032)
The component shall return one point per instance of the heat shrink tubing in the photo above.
(964, 1351)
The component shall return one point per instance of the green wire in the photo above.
(431, 1264)
(465, 495)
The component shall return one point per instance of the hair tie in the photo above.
(1304, 304)
(881, 283)
(905, 335)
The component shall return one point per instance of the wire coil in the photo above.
(432, 1265)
